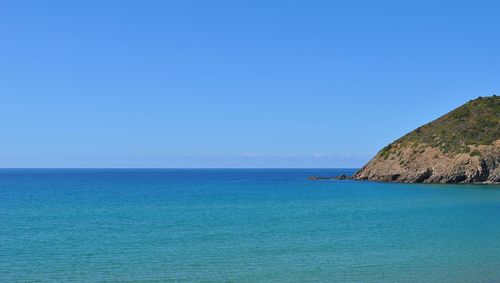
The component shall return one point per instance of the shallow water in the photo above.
(242, 226)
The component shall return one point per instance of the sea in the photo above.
(242, 225)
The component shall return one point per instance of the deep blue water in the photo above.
(242, 226)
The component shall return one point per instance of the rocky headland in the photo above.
(462, 146)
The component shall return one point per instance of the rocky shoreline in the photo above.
(462, 146)
(434, 166)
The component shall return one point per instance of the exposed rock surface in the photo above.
(340, 177)
(462, 146)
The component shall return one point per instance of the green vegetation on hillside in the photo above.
(475, 123)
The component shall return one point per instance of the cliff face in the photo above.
(462, 146)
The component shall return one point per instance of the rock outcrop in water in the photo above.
(320, 178)
(462, 146)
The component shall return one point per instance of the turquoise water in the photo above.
(242, 226)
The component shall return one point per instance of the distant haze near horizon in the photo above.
(272, 84)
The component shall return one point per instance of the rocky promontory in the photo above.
(462, 146)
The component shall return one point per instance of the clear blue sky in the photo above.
(233, 83)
